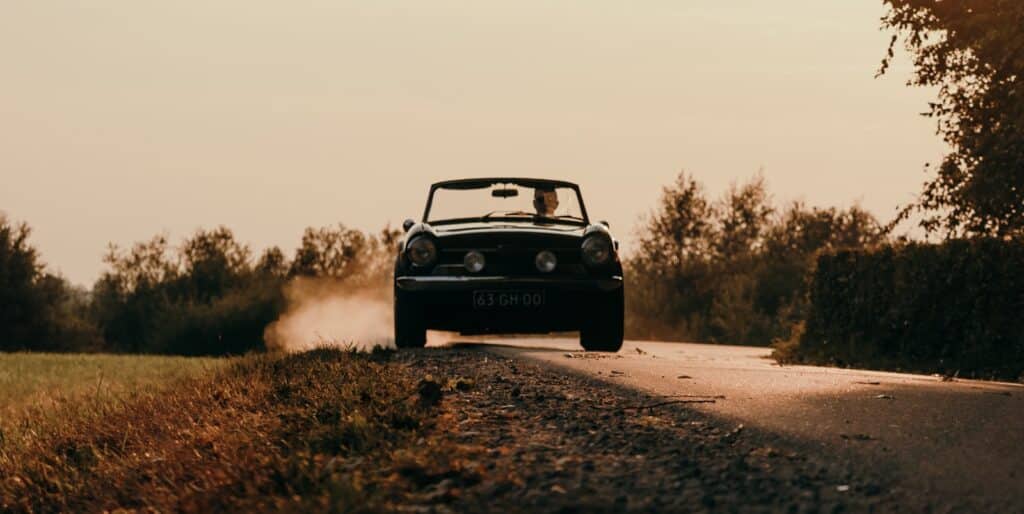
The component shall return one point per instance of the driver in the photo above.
(545, 200)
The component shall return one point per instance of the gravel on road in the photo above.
(528, 438)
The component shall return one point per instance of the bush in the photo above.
(230, 325)
(731, 270)
(949, 308)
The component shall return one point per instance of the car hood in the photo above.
(526, 233)
(509, 226)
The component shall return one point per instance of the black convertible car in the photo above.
(508, 256)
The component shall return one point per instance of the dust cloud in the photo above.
(330, 313)
(324, 312)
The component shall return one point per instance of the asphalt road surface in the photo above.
(960, 440)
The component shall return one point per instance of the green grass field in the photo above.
(27, 378)
(37, 387)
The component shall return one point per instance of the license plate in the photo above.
(508, 299)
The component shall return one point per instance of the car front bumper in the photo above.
(447, 303)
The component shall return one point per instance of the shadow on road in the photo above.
(953, 443)
(581, 444)
(485, 345)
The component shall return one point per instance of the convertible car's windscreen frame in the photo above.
(486, 183)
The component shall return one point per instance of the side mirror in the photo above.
(605, 223)
(408, 224)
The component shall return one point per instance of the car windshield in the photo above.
(511, 201)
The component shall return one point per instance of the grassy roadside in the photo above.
(40, 390)
(268, 433)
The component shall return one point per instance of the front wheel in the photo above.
(603, 331)
(410, 328)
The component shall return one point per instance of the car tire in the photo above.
(410, 328)
(604, 330)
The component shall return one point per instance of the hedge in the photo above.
(951, 308)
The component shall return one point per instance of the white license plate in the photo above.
(508, 299)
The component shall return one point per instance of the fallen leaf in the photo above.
(460, 384)
(764, 452)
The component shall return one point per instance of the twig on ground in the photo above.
(700, 396)
(651, 405)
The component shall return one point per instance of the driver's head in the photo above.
(545, 200)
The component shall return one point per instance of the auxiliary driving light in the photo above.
(546, 262)
(474, 262)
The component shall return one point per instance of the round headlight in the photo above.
(546, 261)
(474, 262)
(597, 251)
(422, 252)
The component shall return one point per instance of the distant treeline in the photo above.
(207, 296)
(729, 270)
(733, 269)
(825, 286)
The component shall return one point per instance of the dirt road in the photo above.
(957, 441)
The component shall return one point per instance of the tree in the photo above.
(680, 228)
(667, 274)
(272, 263)
(38, 310)
(793, 243)
(128, 297)
(213, 262)
(802, 231)
(744, 215)
(147, 264)
(336, 252)
(21, 301)
(973, 52)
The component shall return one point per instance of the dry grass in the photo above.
(787, 351)
(39, 389)
(270, 433)
(24, 377)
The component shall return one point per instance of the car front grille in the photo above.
(516, 262)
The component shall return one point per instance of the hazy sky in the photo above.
(122, 119)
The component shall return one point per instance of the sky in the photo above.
(123, 119)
